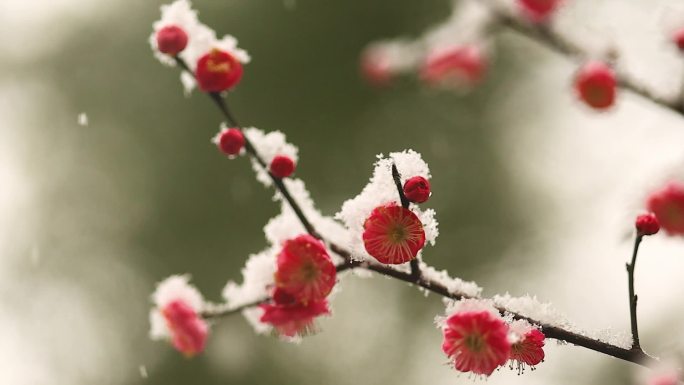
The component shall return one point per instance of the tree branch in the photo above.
(220, 102)
(556, 41)
(550, 331)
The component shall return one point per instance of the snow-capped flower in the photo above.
(178, 14)
(475, 338)
(647, 224)
(201, 39)
(393, 234)
(218, 71)
(305, 270)
(282, 166)
(417, 189)
(230, 141)
(269, 146)
(381, 190)
(668, 206)
(527, 344)
(176, 315)
(171, 40)
(538, 11)
(596, 84)
(461, 66)
(290, 318)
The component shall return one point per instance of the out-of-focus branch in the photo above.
(558, 42)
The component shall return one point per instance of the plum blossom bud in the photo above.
(668, 206)
(538, 11)
(417, 189)
(171, 40)
(282, 166)
(678, 38)
(218, 71)
(230, 141)
(647, 224)
(596, 84)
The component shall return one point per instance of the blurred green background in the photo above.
(140, 193)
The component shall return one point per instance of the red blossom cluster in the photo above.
(304, 278)
(479, 341)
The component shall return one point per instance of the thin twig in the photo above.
(415, 266)
(632, 295)
(220, 102)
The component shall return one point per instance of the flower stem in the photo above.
(397, 181)
(632, 295)
(415, 267)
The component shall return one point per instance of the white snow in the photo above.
(82, 119)
(518, 329)
(466, 306)
(546, 314)
(268, 145)
(257, 277)
(453, 284)
(177, 287)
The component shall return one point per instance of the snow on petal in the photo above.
(177, 287)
